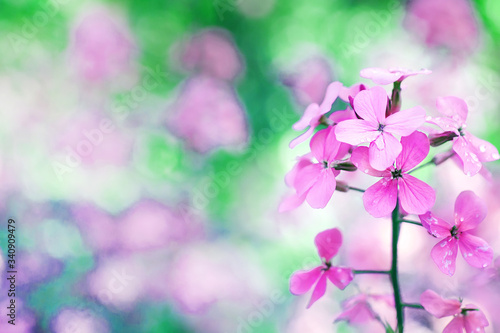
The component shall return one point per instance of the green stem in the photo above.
(413, 305)
(356, 189)
(411, 222)
(394, 269)
(370, 272)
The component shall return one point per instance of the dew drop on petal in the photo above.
(482, 148)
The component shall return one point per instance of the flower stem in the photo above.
(423, 165)
(413, 305)
(370, 272)
(356, 189)
(411, 222)
(394, 269)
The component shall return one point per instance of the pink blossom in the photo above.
(471, 150)
(359, 309)
(315, 182)
(387, 76)
(212, 52)
(415, 196)
(328, 243)
(314, 112)
(449, 23)
(377, 129)
(467, 318)
(470, 210)
(202, 100)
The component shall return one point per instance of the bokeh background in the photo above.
(144, 146)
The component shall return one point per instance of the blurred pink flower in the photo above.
(376, 129)
(314, 112)
(310, 79)
(387, 76)
(416, 197)
(212, 52)
(208, 114)
(359, 309)
(470, 210)
(102, 46)
(328, 243)
(78, 321)
(471, 150)
(449, 23)
(468, 318)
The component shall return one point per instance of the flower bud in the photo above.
(341, 186)
(346, 166)
(441, 138)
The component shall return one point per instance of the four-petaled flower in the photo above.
(328, 243)
(469, 212)
(315, 182)
(415, 196)
(378, 130)
(471, 150)
(467, 318)
(387, 76)
(313, 113)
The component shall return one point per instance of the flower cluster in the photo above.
(375, 135)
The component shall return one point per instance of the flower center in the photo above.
(380, 127)
(454, 232)
(397, 173)
(461, 131)
(325, 164)
(328, 265)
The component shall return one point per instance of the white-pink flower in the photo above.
(377, 129)
(314, 112)
(328, 243)
(415, 196)
(467, 318)
(470, 210)
(387, 76)
(471, 150)
(359, 309)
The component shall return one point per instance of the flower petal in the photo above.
(484, 150)
(456, 325)
(435, 226)
(332, 92)
(380, 76)
(307, 177)
(370, 105)
(312, 112)
(415, 148)
(405, 122)
(475, 322)
(453, 107)
(302, 281)
(445, 123)
(324, 145)
(416, 196)
(444, 255)
(328, 243)
(384, 151)
(301, 138)
(380, 198)
(438, 306)
(352, 91)
(356, 131)
(358, 312)
(468, 155)
(470, 210)
(322, 190)
(360, 158)
(291, 202)
(475, 250)
(318, 291)
(340, 276)
(302, 162)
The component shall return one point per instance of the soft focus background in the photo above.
(144, 146)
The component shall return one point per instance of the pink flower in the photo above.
(328, 243)
(358, 309)
(468, 318)
(469, 212)
(471, 150)
(387, 76)
(415, 196)
(375, 128)
(314, 112)
(315, 182)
